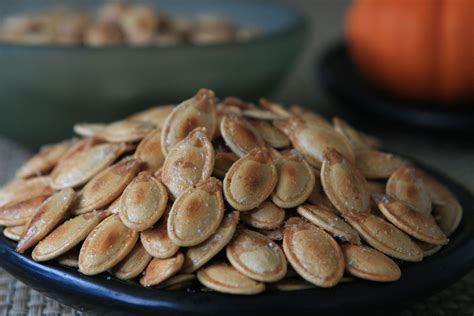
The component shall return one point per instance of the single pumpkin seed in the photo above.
(407, 187)
(222, 277)
(70, 258)
(377, 165)
(295, 180)
(222, 163)
(428, 249)
(293, 284)
(177, 282)
(369, 264)
(197, 213)
(133, 264)
(156, 115)
(250, 180)
(143, 202)
(418, 225)
(125, 131)
(156, 240)
(159, 270)
(256, 256)
(106, 186)
(45, 219)
(199, 111)
(448, 216)
(66, 236)
(385, 237)
(275, 108)
(266, 216)
(25, 189)
(19, 213)
(310, 117)
(13, 232)
(344, 184)
(260, 114)
(358, 140)
(272, 136)
(239, 134)
(188, 162)
(313, 253)
(83, 165)
(149, 151)
(89, 129)
(326, 219)
(195, 257)
(108, 244)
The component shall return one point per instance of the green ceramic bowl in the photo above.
(44, 90)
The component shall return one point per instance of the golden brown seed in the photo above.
(89, 129)
(369, 264)
(14, 232)
(155, 115)
(25, 189)
(66, 236)
(106, 186)
(358, 140)
(125, 131)
(256, 256)
(133, 264)
(325, 218)
(407, 187)
(224, 278)
(222, 163)
(44, 161)
(45, 219)
(177, 282)
(274, 234)
(239, 134)
(19, 213)
(418, 225)
(197, 213)
(199, 111)
(313, 253)
(70, 259)
(84, 164)
(149, 151)
(272, 136)
(428, 249)
(266, 216)
(310, 117)
(189, 162)
(377, 165)
(313, 141)
(448, 216)
(250, 180)
(255, 113)
(108, 244)
(275, 108)
(295, 180)
(293, 284)
(385, 237)
(159, 270)
(344, 185)
(143, 202)
(156, 240)
(195, 257)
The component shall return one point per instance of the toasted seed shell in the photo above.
(156, 240)
(106, 186)
(149, 151)
(428, 249)
(84, 164)
(45, 219)
(188, 162)
(295, 180)
(312, 141)
(70, 258)
(66, 236)
(344, 185)
(143, 202)
(377, 165)
(25, 189)
(385, 237)
(197, 213)
(224, 278)
(275, 107)
(272, 136)
(274, 234)
(89, 129)
(199, 111)
(44, 161)
(108, 244)
(159, 270)
(222, 163)
(256, 256)
(133, 264)
(260, 114)
(250, 180)
(14, 232)
(370, 264)
(125, 131)
(448, 216)
(19, 213)
(239, 134)
(266, 216)
(313, 253)
(293, 284)
(325, 218)
(310, 117)
(195, 257)
(156, 115)
(438, 193)
(418, 225)
(405, 186)
(177, 282)
(358, 140)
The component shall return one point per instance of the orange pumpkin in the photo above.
(420, 49)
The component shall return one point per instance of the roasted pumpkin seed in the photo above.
(293, 284)
(275, 108)
(250, 180)
(239, 134)
(89, 129)
(156, 115)
(19, 213)
(275, 234)
(272, 136)
(377, 165)
(222, 163)
(266, 216)
(428, 249)
(356, 138)
(149, 151)
(177, 282)
(310, 117)
(125, 131)
(25, 189)
(70, 259)
(158, 270)
(14, 232)
(133, 264)
(448, 216)
(108, 244)
(156, 240)
(197, 213)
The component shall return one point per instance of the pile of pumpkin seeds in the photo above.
(241, 197)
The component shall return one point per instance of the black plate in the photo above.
(107, 295)
(339, 77)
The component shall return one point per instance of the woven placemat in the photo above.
(18, 299)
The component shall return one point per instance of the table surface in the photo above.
(452, 154)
